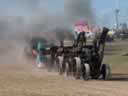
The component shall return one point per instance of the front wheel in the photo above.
(105, 71)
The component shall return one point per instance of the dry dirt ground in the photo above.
(19, 77)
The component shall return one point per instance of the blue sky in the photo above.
(104, 9)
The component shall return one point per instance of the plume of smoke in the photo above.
(43, 23)
(74, 10)
(80, 9)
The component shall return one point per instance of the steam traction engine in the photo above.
(81, 60)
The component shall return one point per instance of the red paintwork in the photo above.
(34, 52)
(81, 23)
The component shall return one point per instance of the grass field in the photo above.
(115, 52)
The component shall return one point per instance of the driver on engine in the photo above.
(80, 32)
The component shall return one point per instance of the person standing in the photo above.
(39, 57)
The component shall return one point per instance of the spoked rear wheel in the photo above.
(67, 69)
(86, 71)
(77, 74)
(56, 64)
(60, 64)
